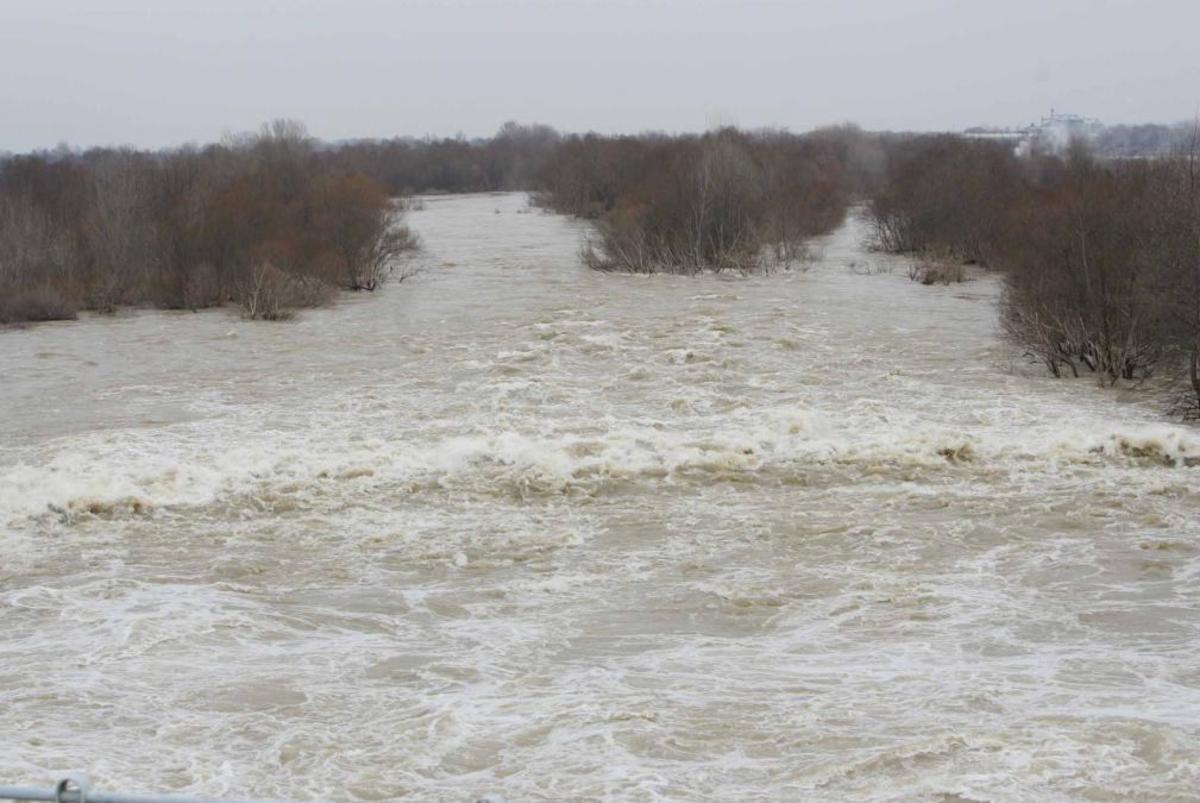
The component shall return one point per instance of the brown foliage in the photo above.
(189, 229)
(945, 194)
(267, 293)
(1101, 259)
(358, 232)
(725, 201)
(1080, 263)
(27, 305)
(511, 160)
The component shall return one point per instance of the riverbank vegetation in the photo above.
(512, 159)
(263, 222)
(726, 200)
(277, 221)
(1100, 258)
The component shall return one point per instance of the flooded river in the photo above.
(517, 527)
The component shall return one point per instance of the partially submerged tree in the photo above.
(192, 228)
(725, 201)
(945, 194)
(361, 229)
(1178, 236)
(1100, 259)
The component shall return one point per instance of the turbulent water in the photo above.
(516, 527)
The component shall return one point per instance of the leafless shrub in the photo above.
(1176, 241)
(727, 201)
(512, 159)
(930, 270)
(179, 229)
(1080, 270)
(946, 194)
(27, 305)
(1101, 260)
(268, 293)
(364, 231)
(793, 255)
(1187, 405)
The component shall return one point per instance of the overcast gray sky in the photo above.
(172, 71)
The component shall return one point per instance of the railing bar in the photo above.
(26, 793)
(72, 796)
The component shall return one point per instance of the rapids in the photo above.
(513, 526)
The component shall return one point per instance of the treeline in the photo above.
(513, 159)
(1146, 139)
(265, 221)
(272, 221)
(726, 200)
(1100, 258)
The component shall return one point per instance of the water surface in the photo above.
(514, 526)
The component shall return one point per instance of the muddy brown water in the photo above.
(517, 527)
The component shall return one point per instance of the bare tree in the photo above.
(725, 201)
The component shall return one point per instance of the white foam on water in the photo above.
(129, 473)
(519, 528)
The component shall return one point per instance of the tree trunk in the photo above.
(1194, 370)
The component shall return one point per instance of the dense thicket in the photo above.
(725, 200)
(1101, 258)
(947, 194)
(263, 221)
(510, 160)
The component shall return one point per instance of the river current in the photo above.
(517, 527)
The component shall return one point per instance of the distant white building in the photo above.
(1056, 131)
(1052, 133)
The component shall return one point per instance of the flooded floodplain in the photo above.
(515, 526)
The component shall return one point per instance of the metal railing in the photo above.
(78, 789)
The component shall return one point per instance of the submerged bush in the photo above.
(267, 293)
(947, 195)
(191, 228)
(1100, 259)
(933, 270)
(359, 231)
(725, 201)
(28, 305)
(702, 209)
(1080, 286)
